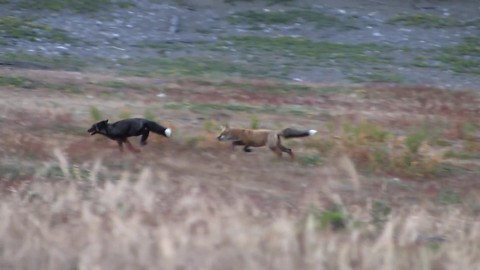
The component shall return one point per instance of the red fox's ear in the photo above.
(225, 127)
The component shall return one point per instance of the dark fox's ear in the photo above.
(106, 120)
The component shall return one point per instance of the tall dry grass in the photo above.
(151, 221)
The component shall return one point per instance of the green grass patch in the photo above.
(379, 76)
(23, 60)
(365, 132)
(119, 85)
(305, 48)
(16, 28)
(448, 197)
(211, 107)
(95, 114)
(281, 88)
(427, 21)
(310, 160)
(18, 81)
(464, 57)
(79, 6)
(255, 18)
(190, 67)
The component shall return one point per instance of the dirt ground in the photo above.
(37, 121)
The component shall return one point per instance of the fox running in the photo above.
(121, 130)
(261, 137)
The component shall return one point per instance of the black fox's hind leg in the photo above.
(130, 147)
(143, 140)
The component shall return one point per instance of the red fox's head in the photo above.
(227, 135)
(99, 127)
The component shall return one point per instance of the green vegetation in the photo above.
(380, 213)
(255, 18)
(211, 107)
(281, 88)
(26, 83)
(332, 218)
(310, 160)
(16, 28)
(95, 114)
(254, 122)
(378, 76)
(464, 57)
(186, 67)
(305, 48)
(80, 6)
(448, 197)
(149, 115)
(23, 60)
(428, 21)
(19, 81)
(371, 147)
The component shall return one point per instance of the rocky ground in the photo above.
(331, 41)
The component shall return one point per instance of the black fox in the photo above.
(121, 130)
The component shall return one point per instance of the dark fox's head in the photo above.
(227, 135)
(99, 127)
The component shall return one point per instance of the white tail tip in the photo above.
(168, 132)
(312, 132)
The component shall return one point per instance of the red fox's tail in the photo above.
(295, 133)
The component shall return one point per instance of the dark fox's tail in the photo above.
(295, 133)
(154, 127)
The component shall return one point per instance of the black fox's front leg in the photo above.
(144, 138)
(120, 145)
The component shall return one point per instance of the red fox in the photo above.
(261, 137)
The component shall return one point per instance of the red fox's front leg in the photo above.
(246, 148)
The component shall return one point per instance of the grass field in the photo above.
(390, 181)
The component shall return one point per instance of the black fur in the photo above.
(294, 133)
(121, 130)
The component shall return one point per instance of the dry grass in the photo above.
(364, 193)
(153, 221)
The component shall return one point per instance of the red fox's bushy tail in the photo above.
(295, 133)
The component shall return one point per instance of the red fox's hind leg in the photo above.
(277, 151)
(286, 150)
